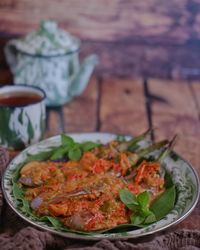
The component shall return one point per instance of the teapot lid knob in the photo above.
(49, 25)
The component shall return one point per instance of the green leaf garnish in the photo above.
(128, 198)
(59, 153)
(25, 207)
(143, 199)
(68, 148)
(150, 218)
(17, 191)
(164, 203)
(74, 153)
(67, 141)
(75, 150)
(89, 145)
(54, 221)
(139, 205)
(40, 156)
(168, 180)
(137, 219)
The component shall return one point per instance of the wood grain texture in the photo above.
(195, 87)
(177, 114)
(171, 21)
(54, 126)
(132, 38)
(145, 60)
(122, 106)
(132, 60)
(80, 115)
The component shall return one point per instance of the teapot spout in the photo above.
(80, 81)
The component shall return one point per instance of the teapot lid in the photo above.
(48, 40)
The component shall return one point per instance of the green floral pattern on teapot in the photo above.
(49, 58)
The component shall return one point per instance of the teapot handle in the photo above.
(10, 51)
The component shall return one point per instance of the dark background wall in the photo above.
(155, 38)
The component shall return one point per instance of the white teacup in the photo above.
(22, 115)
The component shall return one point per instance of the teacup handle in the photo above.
(11, 55)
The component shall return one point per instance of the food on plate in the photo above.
(91, 186)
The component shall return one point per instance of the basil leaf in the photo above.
(67, 141)
(144, 211)
(133, 207)
(17, 191)
(74, 154)
(88, 145)
(143, 199)
(164, 203)
(54, 221)
(136, 219)
(59, 153)
(168, 180)
(150, 218)
(40, 156)
(128, 198)
(26, 208)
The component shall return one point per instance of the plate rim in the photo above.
(113, 236)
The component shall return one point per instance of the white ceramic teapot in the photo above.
(49, 58)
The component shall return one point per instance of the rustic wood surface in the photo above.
(130, 107)
(174, 21)
(177, 113)
(132, 38)
(122, 106)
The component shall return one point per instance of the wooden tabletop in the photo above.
(130, 106)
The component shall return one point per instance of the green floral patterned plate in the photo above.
(182, 173)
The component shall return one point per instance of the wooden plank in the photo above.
(128, 59)
(80, 115)
(122, 105)
(178, 114)
(54, 124)
(143, 38)
(168, 21)
(195, 87)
